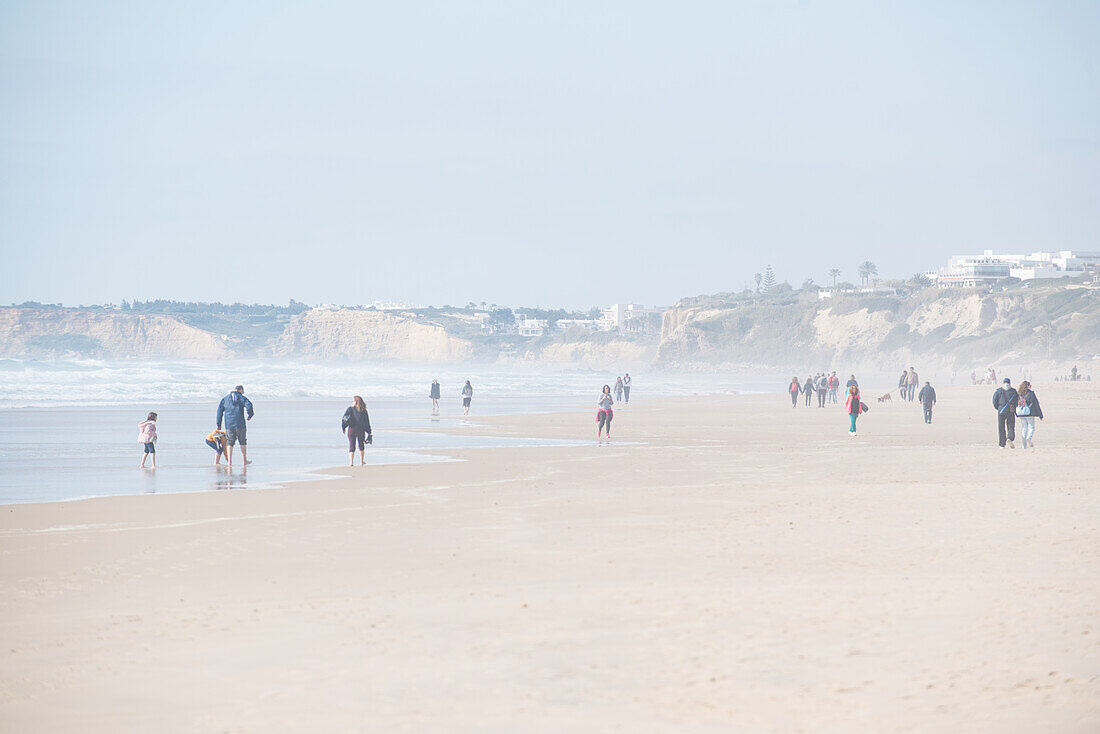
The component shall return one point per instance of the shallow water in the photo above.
(89, 448)
(48, 455)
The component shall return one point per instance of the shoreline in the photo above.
(744, 565)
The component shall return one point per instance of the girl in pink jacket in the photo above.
(147, 435)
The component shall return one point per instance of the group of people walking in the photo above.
(1011, 404)
(622, 388)
(825, 387)
(907, 384)
(467, 393)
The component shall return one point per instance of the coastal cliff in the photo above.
(953, 328)
(350, 334)
(596, 351)
(960, 329)
(46, 333)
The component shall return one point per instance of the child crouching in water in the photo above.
(147, 434)
(217, 441)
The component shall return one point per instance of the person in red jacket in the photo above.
(794, 389)
(854, 406)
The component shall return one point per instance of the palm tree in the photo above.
(866, 270)
(919, 281)
(834, 274)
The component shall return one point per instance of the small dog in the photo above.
(885, 397)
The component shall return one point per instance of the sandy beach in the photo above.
(730, 564)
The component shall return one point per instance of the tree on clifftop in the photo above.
(769, 279)
(757, 277)
(867, 269)
(834, 274)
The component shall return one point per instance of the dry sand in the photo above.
(744, 567)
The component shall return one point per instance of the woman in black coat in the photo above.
(356, 424)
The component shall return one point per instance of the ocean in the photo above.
(68, 428)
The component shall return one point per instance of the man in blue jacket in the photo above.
(927, 398)
(1004, 400)
(232, 408)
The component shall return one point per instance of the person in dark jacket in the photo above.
(851, 383)
(467, 396)
(233, 408)
(1027, 408)
(433, 393)
(795, 389)
(356, 424)
(1004, 400)
(927, 398)
(808, 389)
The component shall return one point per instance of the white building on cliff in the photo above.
(970, 271)
(630, 317)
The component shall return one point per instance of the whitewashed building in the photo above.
(628, 317)
(970, 271)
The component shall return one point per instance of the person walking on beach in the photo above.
(618, 389)
(927, 398)
(912, 383)
(1004, 401)
(232, 409)
(1027, 409)
(626, 387)
(356, 425)
(795, 388)
(433, 393)
(467, 397)
(854, 406)
(851, 383)
(822, 387)
(604, 414)
(808, 390)
(903, 382)
(834, 386)
(217, 441)
(147, 435)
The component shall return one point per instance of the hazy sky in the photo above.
(564, 154)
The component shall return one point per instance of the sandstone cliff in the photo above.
(597, 354)
(954, 328)
(44, 333)
(349, 334)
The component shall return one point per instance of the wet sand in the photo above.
(742, 567)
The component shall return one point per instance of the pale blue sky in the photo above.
(564, 154)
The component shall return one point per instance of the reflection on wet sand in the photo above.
(149, 481)
(231, 479)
